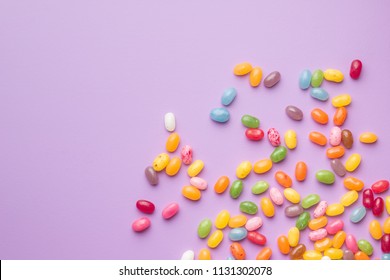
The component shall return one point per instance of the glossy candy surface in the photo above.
(204, 228)
(294, 113)
(260, 187)
(318, 223)
(222, 219)
(333, 75)
(325, 176)
(222, 184)
(274, 137)
(237, 221)
(151, 176)
(297, 252)
(236, 188)
(170, 210)
(272, 79)
(318, 234)
(319, 116)
(351, 243)
(341, 100)
(339, 239)
(340, 116)
(355, 69)
(237, 251)
(188, 255)
(386, 225)
(323, 244)
(317, 78)
(283, 245)
(255, 76)
(145, 206)
(335, 226)
(303, 221)
(368, 137)
(347, 138)
(256, 238)
(335, 209)
(283, 179)
(335, 136)
(312, 255)
(305, 79)
(228, 96)
(172, 142)
(254, 134)
(380, 186)
(170, 121)
(250, 121)
(334, 254)
(191, 193)
(290, 139)
(293, 236)
(365, 247)
(292, 195)
(300, 171)
(195, 168)
(293, 210)
(160, 162)
(215, 239)
(199, 183)
(243, 169)
(173, 166)
(335, 152)
(141, 224)
(278, 154)
(388, 204)
(310, 200)
(318, 138)
(248, 207)
(320, 209)
(319, 94)
(378, 207)
(186, 154)
(353, 183)
(220, 115)
(358, 214)
(262, 166)
(348, 255)
(276, 196)
(338, 167)
(242, 69)
(349, 198)
(385, 243)
(267, 207)
(204, 254)
(254, 223)
(264, 254)
(375, 229)
(238, 234)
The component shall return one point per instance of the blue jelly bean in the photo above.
(358, 214)
(220, 115)
(305, 79)
(319, 93)
(237, 234)
(228, 96)
(386, 257)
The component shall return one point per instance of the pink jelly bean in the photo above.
(141, 224)
(186, 154)
(199, 183)
(273, 137)
(335, 226)
(318, 234)
(253, 223)
(351, 243)
(276, 196)
(320, 209)
(335, 136)
(170, 210)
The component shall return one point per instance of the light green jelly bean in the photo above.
(310, 200)
(278, 154)
(365, 247)
(236, 188)
(248, 207)
(250, 121)
(303, 221)
(317, 78)
(204, 228)
(260, 187)
(325, 177)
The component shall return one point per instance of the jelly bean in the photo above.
(276, 196)
(254, 134)
(238, 234)
(262, 166)
(310, 200)
(294, 113)
(347, 138)
(368, 198)
(325, 258)
(318, 234)
(254, 223)
(222, 184)
(273, 137)
(348, 255)
(341, 100)
(292, 195)
(335, 152)
(351, 243)
(293, 210)
(319, 94)
(297, 252)
(305, 79)
(256, 238)
(356, 69)
(353, 183)
(388, 204)
(318, 138)
(173, 166)
(191, 193)
(319, 116)
(380, 186)
(248, 207)
(215, 239)
(170, 210)
(272, 79)
(335, 226)
(361, 256)
(290, 138)
(340, 116)
(236, 188)
(170, 121)
(300, 171)
(204, 254)
(228, 96)
(325, 177)
(368, 137)
(333, 75)
(255, 76)
(220, 115)
(335, 136)
(237, 251)
(151, 175)
(260, 187)
(267, 207)
(195, 168)
(349, 198)
(378, 207)
(264, 254)
(375, 229)
(386, 257)
(312, 255)
(250, 121)
(283, 179)
(222, 219)
(160, 162)
(293, 236)
(242, 69)
(278, 154)
(386, 226)
(318, 223)
(358, 214)
(334, 254)
(365, 247)
(303, 220)
(188, 255)
(323, 244)
(172, 142)
(237, 221)
(141, 224)
(320, 209)
(283, 245)
(204, 228)
(338, 239)
(243, 169)
(338, 167)
(335, 209)
(198, 183)
(186, 154)
(385, 243)
(145, 206)
(317, 78)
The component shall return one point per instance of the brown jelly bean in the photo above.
(348, 255)
(272, 79)
(297, 252)
(294, 113)
(151, 175)
(347, 138)
(293, 210)
(338, 167)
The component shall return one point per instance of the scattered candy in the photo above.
(347, 138)
(222, 219)
(273, 137)
(160, 162)
(319, 94)
(195, 168)
(356, 69)
(204, 228)
(333, 75)
(254, 134)
(255, 76)
(341, 100)
(228, 96)
(170, 210)
(340, 116)
(145, 206)
(141, 224)
(294, 113)
(173, 166)
(305, 79)
(172, 142)
(242, 69)
(220, 115)
(151, 175)
(186, 154)
(170, 122)
(272, 79)
(368, 138)
(319, 116)
(250, 121)
(317, 78)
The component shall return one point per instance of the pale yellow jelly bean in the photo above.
(215, 238)
(222, 219)
(375, 229)
(349, 198)
(191, 193)
(323, 244)
(204, 254)
(387, 203)
(293, 236)
(243, 169)
(267, 207)
(386, 226)
(242, 68)
(318, 223)
(262, 166)
(368, 137)
(195, 168)
(237, 221)
(335, 209)
(290, 138)
(173, 166)
(353, 162)
(339, 239)
(341, 100)
(172, 142)
(292, 195)
(333, 253)
(160, 162)
(312, 255)
(333, 75)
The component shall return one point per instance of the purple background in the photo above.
(84, 86)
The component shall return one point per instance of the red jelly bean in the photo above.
(256, 237)
(368, 198)
(379, 205)
(255, 134)
(385, 243)
(380, 186)
(145, 206)
(274, 137)
(356, 69)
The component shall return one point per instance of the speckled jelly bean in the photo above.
(293, 236)
(243, 169)
(238, 234)
(305, 79)
(173, 166)
(318, 234)
(188, 255)
(320, 209)
(318, 138)
(145, 206)
(141, 224)
(300, 171)
(386, 225)
(378, 207)
(222, 219)
(283, 245)
(151, 175)
(358, 214)
(260, 187)
(242, 69)
(267, 207)
(318, 223)
(365, 247)
(186, 154)
(335, 152)
(322, 244)
(237, 251)
(334, 209)
(303, 221)
(199, 183)
(255, 76)
(325, 177)
(385, 243)
(248, 207)
(254, 134)
(353, 183)
(375, 229)
(293, 211)
(335, 136)
(272, 79)
(387, 200)
(334, 254)
(254, 223)
(294, 113)
(335, 226)
(228, 96)
(191, 193)
(279, 154)
(380, 186)
(297, 252)
(170, 210)
(250, 121)
(220, 115)
(319, 116)
(333, 75)
(340, 116)
(160, 162)
(312, 255)
(170, 122)
(339, 239)
(319, 94)
(351, 243)
(204, 228)
(204, 254)
(310, 200)
(348, 255)
(236, 189)
(355, 69)
(215, 239)
(341, 100)
(237, 221)
(290, 139)
(353, 162)
(276, 196)
(262, 166)
(172, 142)
(283, 179)
(292, 195)
(274, 137)
(368, 137)
(338, 167)
(222, 184)
(317, 78)
(195, 168)
(349, 198)
(256, 238)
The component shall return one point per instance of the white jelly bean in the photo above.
(188, 255)
(170, 121)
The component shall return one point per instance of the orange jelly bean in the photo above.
(237, 251)
(335, 152)
(353, 183)
(361, 256)
(283, 179)
(319, 116)
(191, 193)
(340, 116)
(222, 184)
(318, 138)
(204, 254)
(284, 246)
(300, 171)
(339, 239)
(318, 223)
(323, 244)
(264, 254)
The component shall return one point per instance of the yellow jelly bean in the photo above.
(255, 76)
(387, 202)
(160, 162)
(375, 229)
(318, 223)
(290, 138)
(333, 253)
(368, 137)
(292, 195)
(341, 100)
(172, 142)
(204, 254)
(237, 221)
(312, 255)
(195, 168)
(323, 244)
(338, 239)
(215, 238)
(353, 162)
(191, 193)
(349, 198)
(335, 209)
(222, 219)
(262, 166)
(333, 75)
(242, 69)
(173, 166)
(293, 236)
(243, 169)
(267, 207)
(386, 226)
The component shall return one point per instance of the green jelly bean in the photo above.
(248, 207)
(236, 188)
(317, 78)
(303, 221)
(325, 177)
(250, 121)
(365, 247)
(278, 154)
(310, 200)
(204, 228)
(260, 187)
